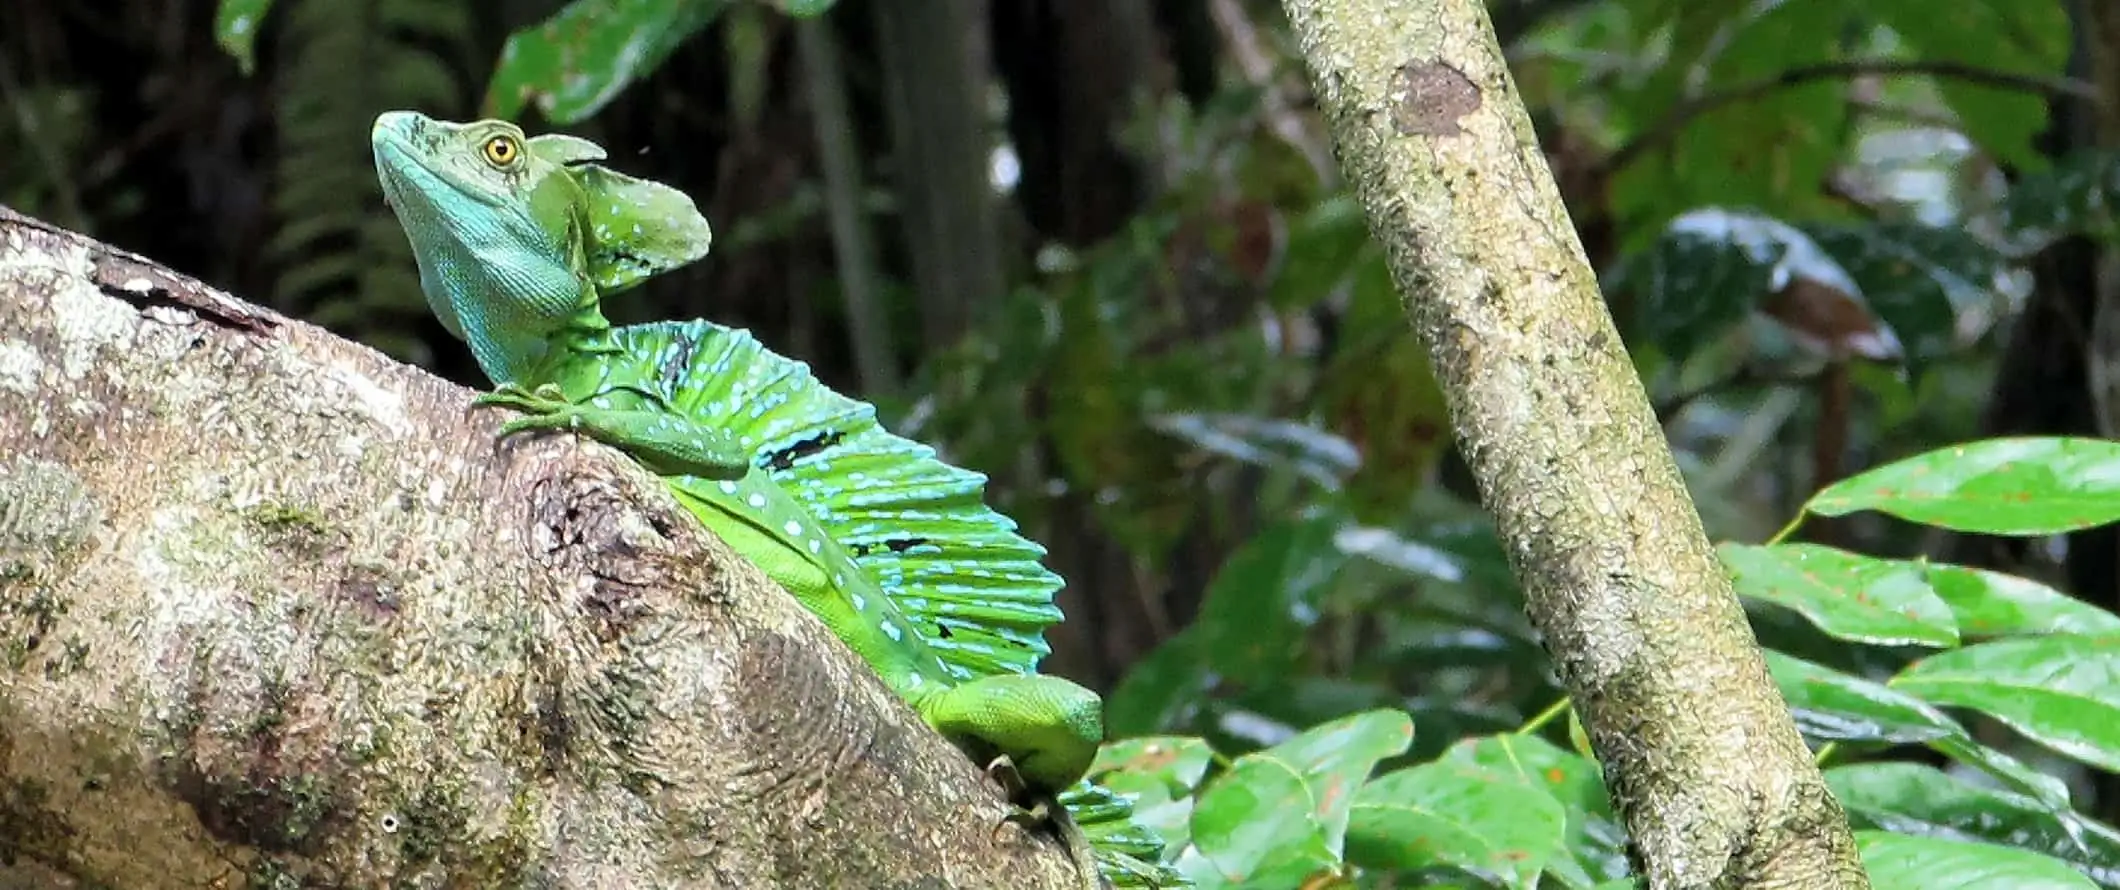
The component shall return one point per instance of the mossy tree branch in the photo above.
(1703, 760)
(274, 608)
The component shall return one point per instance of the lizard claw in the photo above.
(545, 400)
(1002, 769)
(544, 409)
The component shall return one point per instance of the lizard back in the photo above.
(976, 591)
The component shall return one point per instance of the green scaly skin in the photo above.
(518, 239)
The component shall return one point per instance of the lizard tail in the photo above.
(1129, 854)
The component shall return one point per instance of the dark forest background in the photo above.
(1098, 249)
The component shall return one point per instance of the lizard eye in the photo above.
(502, 151)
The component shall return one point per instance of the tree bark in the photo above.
(1703, 760)
(275, 611)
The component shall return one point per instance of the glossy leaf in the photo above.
(2019, 776)
(1909, 862)
(1317, 455)
(235, 28)
(1281, 814)
(1709, 269)
(1833, 706)
(1594, 845)
(2060, 690)
(1483, 821)
(2010, 486)
(585, 54)
(1992, 604)
(1847, 595)
(1918, 278)
(1915, 799)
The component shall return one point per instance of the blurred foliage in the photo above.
(1780, 197)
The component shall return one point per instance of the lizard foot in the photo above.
(545, 408)
(1045, 812)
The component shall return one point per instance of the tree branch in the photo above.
(273, 608)
(1684, 113)
(1699, 752)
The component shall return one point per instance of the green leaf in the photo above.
(1159, 775)
(1486, 822)
(1992, 604)
(1918, 278)
(2017, 774)
(2073, 197)
(1833, 706)
(2009, 486)
(1281, 814)
(1178, 763)
(1325, 244)
(2025, 37)
(1706, 271)
(1847, 595)
(1317, 455)
(1161, 691)
(235, 28)
(581, 57)
(1906, 862)
(1594, 844)
(1257, 612)
(1830, 705)
(1915, 799)
(2061, 690)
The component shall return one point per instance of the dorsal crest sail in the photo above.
(979, 592)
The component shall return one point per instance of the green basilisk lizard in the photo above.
(518, 240)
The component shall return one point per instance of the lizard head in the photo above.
(518, 237)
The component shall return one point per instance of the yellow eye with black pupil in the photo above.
(501, 150)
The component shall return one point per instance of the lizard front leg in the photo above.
(1045, 809)
(668, 442)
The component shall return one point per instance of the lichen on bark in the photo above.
(275, 611)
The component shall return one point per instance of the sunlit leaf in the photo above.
(235, 28)
(1847, 595)
(2008, 486)
(1594, 845)
(1992, 604)
(2061, 690)
(1916, 799)
(585, 54)
(1158, 774)
(1281, 814)
(1451, 813)
(1909, 862)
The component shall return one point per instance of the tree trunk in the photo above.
(277, 611)
(1703, 760)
